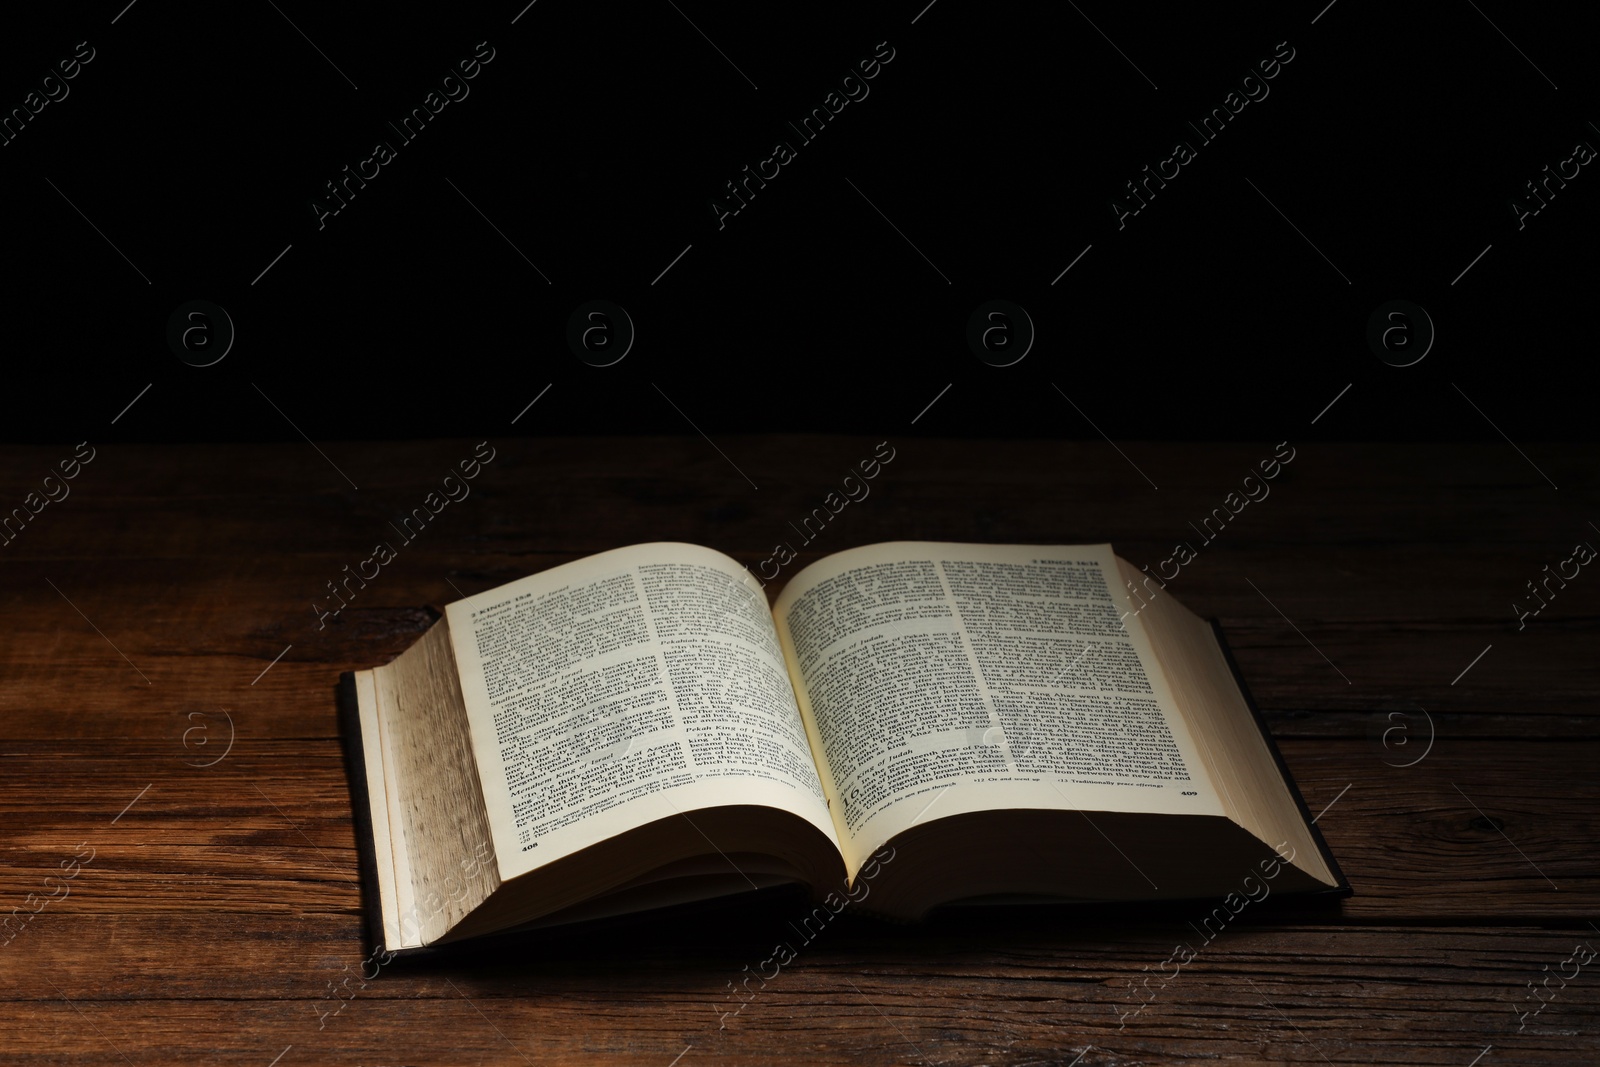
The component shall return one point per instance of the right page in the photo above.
(936, 679)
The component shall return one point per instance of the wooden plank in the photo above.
(241, 543)
(1337, 496)
(1003, 990)
(1416, 841)
(211, 627)
(1522, 690)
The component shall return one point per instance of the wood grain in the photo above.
(171, 595)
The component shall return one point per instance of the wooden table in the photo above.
(204, 906)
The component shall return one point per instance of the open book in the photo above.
(923, 723)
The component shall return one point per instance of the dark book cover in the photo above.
(349, 714)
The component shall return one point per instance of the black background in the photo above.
(994, 142)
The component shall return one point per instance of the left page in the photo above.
(627, 687)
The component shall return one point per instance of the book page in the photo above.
(937, 679)
(630, 686)
(380, 813)
(433, 794)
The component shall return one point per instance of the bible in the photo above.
(910, 725)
